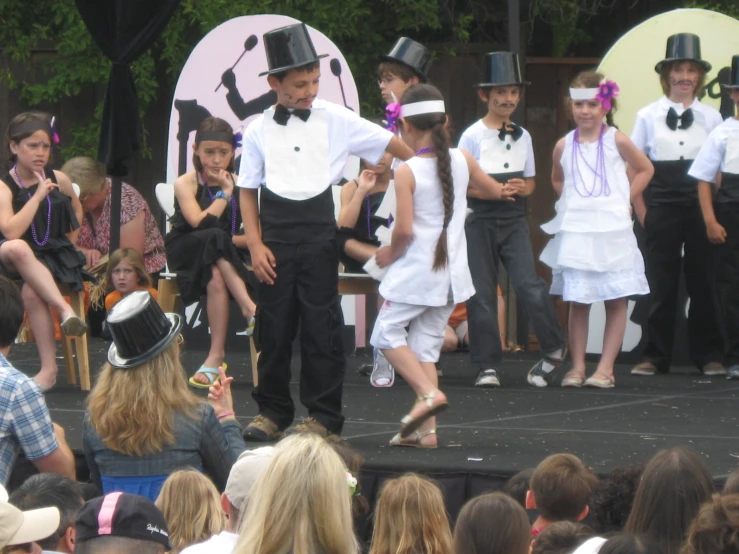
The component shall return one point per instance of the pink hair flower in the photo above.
(607, 91)
(392, 113)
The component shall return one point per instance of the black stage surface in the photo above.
(488, 435)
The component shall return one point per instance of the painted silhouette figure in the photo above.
(715, 90)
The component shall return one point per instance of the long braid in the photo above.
(442, 143)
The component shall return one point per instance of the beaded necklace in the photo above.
(233, 204)
(599, 171)
(48, 210)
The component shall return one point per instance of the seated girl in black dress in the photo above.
(360, 199)
(39, 206)
(203, 244)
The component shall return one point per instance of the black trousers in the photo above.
(726, 263)
(305, 292)
(668, 229)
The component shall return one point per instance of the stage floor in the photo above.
(500, 431)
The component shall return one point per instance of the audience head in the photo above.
(244, 473)
(301, 502)
(91, 177)
(492, 523)
(562, 537)
(49, 489)
(410, 518)
(716, 528)
(613, 497)
(560, 488)
(732, 484)
(19, 529)
(628, 543)
(517, 486)
(214, 145)
(11, 312)
(120, 523)
(353, 462)
(673, 486)
(191, 507)
(142, 387)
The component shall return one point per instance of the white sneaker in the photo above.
(383, 374)
(487, 378)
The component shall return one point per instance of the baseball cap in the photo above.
(17, 527)
(122, 515)
(244, 474)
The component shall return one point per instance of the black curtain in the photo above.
(124, 30)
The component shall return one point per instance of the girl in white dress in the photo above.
(593, 255)
(427, 258)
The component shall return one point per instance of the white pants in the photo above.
(421, 328)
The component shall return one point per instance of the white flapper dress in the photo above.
(593, 254)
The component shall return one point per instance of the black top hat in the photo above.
(683, 47)
(734, 78)
(140, 330)
(289, 47)
(413, 54)
(501, 69)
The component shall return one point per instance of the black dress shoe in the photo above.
(732, 372)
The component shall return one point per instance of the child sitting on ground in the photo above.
(560, 489)
(126, 273)
(457, 335)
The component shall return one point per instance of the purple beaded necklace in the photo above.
(599, 171)
(233, 204)
(48, 210)
(425, 150)
(369, 215)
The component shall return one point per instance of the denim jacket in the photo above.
(201, 442)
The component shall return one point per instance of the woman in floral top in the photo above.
(139, 230)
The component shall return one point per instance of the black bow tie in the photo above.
(515, 131)
(282, 114)
(686, 120)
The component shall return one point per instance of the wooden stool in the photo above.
(357, 283)
(77, 301)
(168, 292)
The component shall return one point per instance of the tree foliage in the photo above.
(53, 56)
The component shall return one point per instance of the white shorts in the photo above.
(421, 328)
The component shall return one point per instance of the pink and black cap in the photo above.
(122, 515)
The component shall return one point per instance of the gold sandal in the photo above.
(409, 424)
(574, 378)
(415, 441)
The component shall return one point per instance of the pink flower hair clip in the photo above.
(607, 91)
(392, 114)
(54, 135)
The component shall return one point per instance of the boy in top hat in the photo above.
(407, 63)
(720, 156)
(497, 230)
(294, 152)
(670, 132)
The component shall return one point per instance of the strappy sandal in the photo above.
(210, 372)
(573, 379)
(409, 424)
(415, 440)
(608, 381)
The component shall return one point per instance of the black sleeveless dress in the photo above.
(191, 252)
(364, 230)
(58, 254)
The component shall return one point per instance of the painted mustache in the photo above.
(683, 82)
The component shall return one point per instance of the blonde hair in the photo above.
(133, 257)
(89, 174)
(191, 506)
(132, 410)
(410, 518)
(300, 504)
